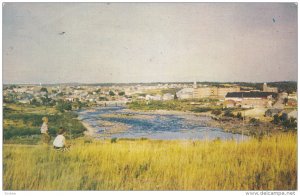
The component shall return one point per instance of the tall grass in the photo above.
(269, 164)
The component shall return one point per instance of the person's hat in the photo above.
(44, 118)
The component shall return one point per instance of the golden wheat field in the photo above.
(268, 164)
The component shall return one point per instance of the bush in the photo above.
(254, 121)
(111, 93)
(63, 105)
(113, 140)
(201, 110)
(290, 123)
(121, 93)
(228, 113)
(239, 116)
(276, 119)
(216, 112)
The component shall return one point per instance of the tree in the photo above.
(46, 100)
(34, 102)
(63, 105)
(216, 112)
(111, 93)
(228, 113)
(121, 93)
(276, 119)
(239, 116)
(103, 99)
(285, 100)
(43, 89)
(175, 96)
(254, 121)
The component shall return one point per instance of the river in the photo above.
(119, 122)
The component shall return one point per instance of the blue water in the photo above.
(156, 126)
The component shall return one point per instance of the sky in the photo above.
(149, 42)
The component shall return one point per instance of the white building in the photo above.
(186, 93)
(155, 97)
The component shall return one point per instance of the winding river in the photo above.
(119, 122)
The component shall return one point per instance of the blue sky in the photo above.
(149, 42)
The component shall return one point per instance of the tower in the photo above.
(195, 84)
(265, 87)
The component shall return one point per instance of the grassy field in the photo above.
(21, 123)
(178, 105)
(268, 164)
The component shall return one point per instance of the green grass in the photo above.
(21, 124)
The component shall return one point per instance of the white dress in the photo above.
(44, 128)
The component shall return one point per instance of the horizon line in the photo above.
(93, 83)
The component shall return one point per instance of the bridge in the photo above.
(112, 103)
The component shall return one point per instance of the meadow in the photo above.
(268, 163)
(22, 123)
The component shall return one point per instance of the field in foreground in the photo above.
(269, 164)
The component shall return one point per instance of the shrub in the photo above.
(111, 93)
(113, 140)
(228, 113)
(239, 116)
(254, 121)
(216, 112)
(201, 110)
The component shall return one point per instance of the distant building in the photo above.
(185, 93)
(155, 97)
(252, 99)
(205, 92)
(269, 89)
(195, 85)
(214, 92)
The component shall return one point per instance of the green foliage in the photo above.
(239, 116)
(31, 123)
(285, 100)
(228, 113)
(113, 140)
(290, 123)
(175, 96)
(111, 93)
(216, 112)
(103, 99)
(170, 90)
(121, 93)
(46, 101)
(276, 119)
(287, 86)
(43, 89)
(202, 109)
(63, 105)
(35, 102)
(160, 105)
(287, 123)
(254, 121)
(10, 98)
